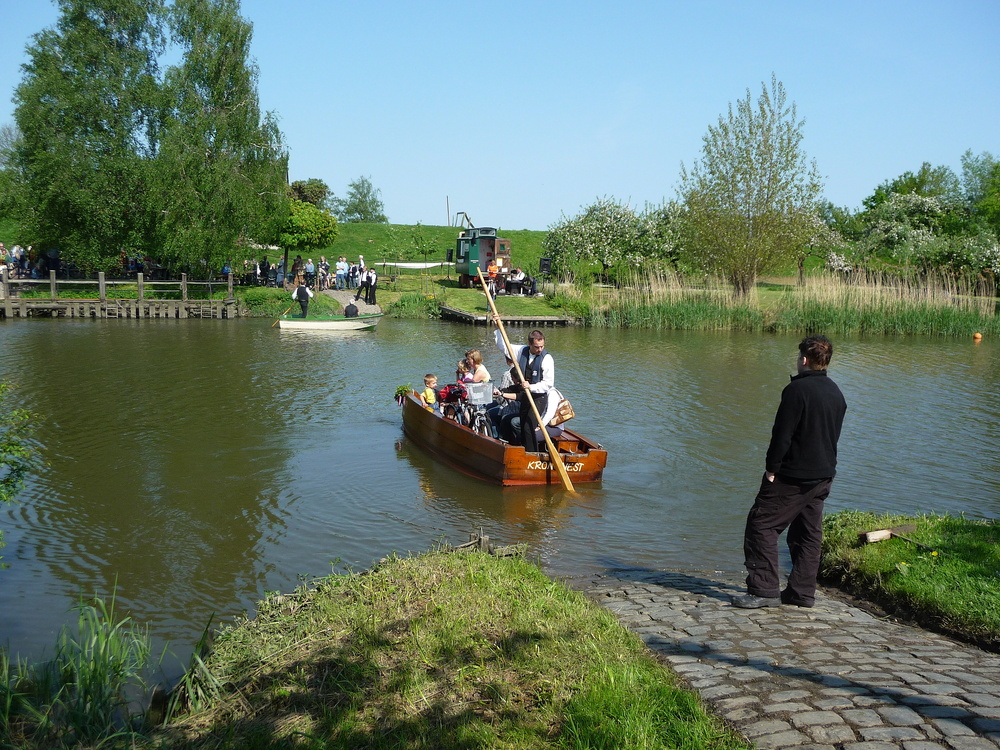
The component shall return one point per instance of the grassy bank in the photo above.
(944, 575)
(399, 242)
(443, 650)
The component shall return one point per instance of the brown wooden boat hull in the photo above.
(495, 461)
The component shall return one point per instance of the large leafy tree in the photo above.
(363, 203)
(221, 166)
(308, 228)
(313, 191)
(86, 110)
(751, 197)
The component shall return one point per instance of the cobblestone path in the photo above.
(828, 677)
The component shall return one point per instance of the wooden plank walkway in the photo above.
(536, 321)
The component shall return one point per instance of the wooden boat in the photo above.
(494, 460)
(330, 323)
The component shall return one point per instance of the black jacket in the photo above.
(807, 428)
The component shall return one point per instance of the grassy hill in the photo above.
(400, 242)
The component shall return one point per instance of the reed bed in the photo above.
(79, 697)
(861, 304)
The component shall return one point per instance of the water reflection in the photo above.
(202, 463)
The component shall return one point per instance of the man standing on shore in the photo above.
(799, 469)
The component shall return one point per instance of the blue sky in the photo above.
(520, 112)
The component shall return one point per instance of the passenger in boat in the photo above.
(302, 294)
(501, 406)
(799, 467)
(351, 311)
(463, 373)
(429, 395)
(540, 373)
(479, 372)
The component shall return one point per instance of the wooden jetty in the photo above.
(12, 305)
(535, 321)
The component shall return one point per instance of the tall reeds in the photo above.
(79, 696)
(863, 303)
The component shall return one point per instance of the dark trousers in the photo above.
(304, 304)
(799, 508)
(362, 291)
(370, 295)
(519, 428)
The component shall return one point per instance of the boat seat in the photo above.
(566, 444)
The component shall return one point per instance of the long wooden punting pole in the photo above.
(553, 453)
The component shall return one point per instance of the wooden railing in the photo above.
(12, 304)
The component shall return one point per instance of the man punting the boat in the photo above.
(540, 372)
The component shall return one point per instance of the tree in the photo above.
(929, 182)
(86, 111)
(363, 204)
(606, 232)
(221, 166)
(9, 139)
(750, 198)
(310, 191)
(308, 227)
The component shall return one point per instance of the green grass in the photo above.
(443, 650)
(265, 302)
(946, 577)
(399, 242)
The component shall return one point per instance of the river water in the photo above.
(194, 465)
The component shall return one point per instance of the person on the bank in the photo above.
(798, 473)
(302, 295)
(362, 286)
(540, 375)
(351, 311)
(371, 284)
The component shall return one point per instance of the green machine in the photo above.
(477, 247)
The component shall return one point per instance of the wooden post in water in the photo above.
(184, 287)
(138, 279)
(102, 289)
(5, 290)
(229, 293)
(53, 294)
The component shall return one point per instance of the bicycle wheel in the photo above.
(481, 424)
(453, 412)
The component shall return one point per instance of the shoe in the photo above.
(786, 598)
(749, 601)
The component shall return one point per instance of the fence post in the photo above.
(229, 293)
(53, 294)
(184, 287)
(138, 279)
(102, 290)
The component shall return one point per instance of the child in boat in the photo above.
(463, 373)
(429, 395)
